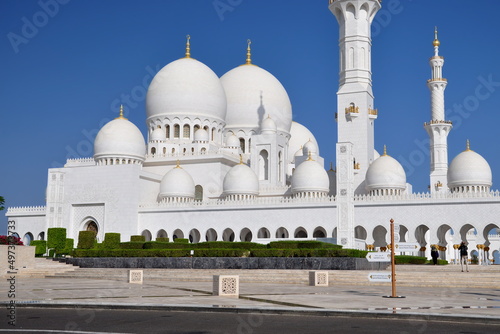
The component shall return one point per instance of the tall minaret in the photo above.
(355, 114)
(438, 128)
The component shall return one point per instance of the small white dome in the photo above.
(385, 173)
(299, 134)
(158, 135)
(201, 135)
(310, 147)
(232, 141)
(268, 126)
(186, 88)
(241, 180)
(252, 93)
(309, 176)
(469, 169)
(119, 138)
(177, 183)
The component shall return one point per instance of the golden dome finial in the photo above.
(178, 164)
(241, 159)
(188, 47)
(436, 40)
(249, 53)
(385, 151)
(121, 113)
(467, 146)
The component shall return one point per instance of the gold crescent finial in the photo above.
(249, 52)
(385, 151)
(309, 156)
(467, 145)
(436, 42)
(241, 159)
(121, 113)
(178, 164)
(188, 47)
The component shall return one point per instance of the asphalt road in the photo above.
(46, 320)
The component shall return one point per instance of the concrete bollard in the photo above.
(226, 285)
(135, 276)
(318, 278)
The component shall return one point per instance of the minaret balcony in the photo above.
(352, 111)
(437, 122)
(437, 79)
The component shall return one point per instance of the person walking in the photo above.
(463, 256)
(434, 255)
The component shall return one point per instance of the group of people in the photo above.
(463, 255)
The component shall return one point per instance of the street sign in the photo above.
(407, 247)
(379, 277)
(378, 257)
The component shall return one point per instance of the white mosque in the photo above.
(223, 160)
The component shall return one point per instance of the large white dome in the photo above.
(186, 88)
(385, 173)
(310, 176)
(299, 135)
(119, 138)
(252, 94)
(469, 169)
(241, 180)
(177, 183)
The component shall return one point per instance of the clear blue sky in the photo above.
(65, 69)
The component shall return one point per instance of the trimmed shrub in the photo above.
(308, 244)
(111, 241)
(86, 239)
(213, 252)
(230, 245)
(40, 247)
(137, 238)
(408, 259)
(167, 245)
(181, 241)
(131, 253)
(68, 247)
(160, 239)
(132, 245)
(321, 252)
(56, 238)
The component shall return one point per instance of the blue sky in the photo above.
(68, 64)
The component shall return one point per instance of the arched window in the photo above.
(198, 193)
(153, 150)
(263, 165)
(242, 144)
(196, 127)
(185, 131)
(280, 166)
(214, 131)
(167, 131)
(177, 131)
(164, 150)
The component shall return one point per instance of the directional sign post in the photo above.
(378, 257)
(407, 247)
(380, 277)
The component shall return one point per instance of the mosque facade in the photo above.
(223, 160)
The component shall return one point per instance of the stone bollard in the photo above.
(226, 285)
(135, 276)
(318, 278)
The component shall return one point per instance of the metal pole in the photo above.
(393, 262)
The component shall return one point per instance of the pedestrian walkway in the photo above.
(169, 289)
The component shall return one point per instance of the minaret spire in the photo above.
(188, 47)
(438, 128)
(249, 53)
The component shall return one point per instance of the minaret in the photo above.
(355, 114)
(438, 128)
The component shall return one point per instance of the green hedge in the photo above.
(132, 245)
(131, 253)
(56, 238)
(229, 245)
(181, 240)
(86, 239)
(167, 245)
(111, 241)
(322, 252)
(408, 259)
(160, 239)
(68, 247)
(40, 247)
(213, 252)
(308, 244)
(137, 238)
